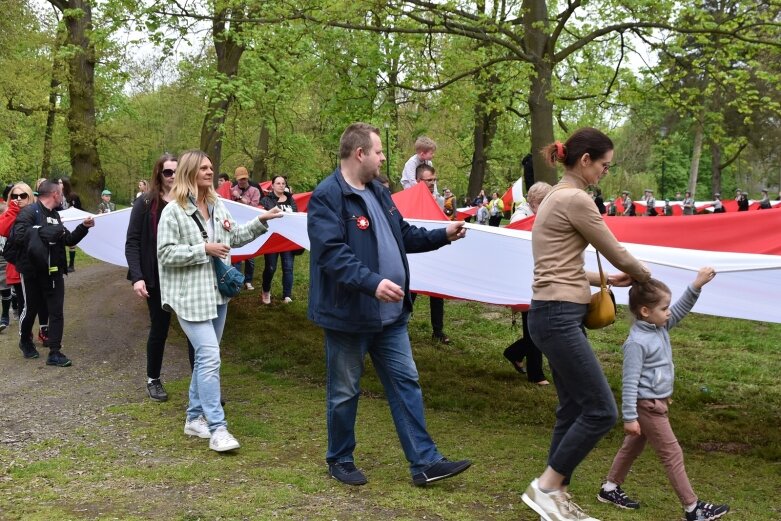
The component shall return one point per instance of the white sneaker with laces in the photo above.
(197, 427)
(223, 441)
(288, 300)
(249, 286)
(553, 506)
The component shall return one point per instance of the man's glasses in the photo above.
(168, 172)
(22, 196)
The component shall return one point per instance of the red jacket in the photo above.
(7, 220)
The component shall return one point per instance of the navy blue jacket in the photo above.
(344, 263)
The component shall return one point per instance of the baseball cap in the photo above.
(105, 192)
(241, 173)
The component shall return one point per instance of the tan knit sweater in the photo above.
(567, 221)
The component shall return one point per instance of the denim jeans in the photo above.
(391, 355)
(205, 383)
(287, 272)
(249, 269)
(587, 409)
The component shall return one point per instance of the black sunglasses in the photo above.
(23, 195)
(168, 172)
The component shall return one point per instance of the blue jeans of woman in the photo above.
(205, 383)
(287, 272)
(587, 409)
(391, 355)
(249, 269)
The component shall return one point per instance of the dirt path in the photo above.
(109, 362)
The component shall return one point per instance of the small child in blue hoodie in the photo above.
(648, 378)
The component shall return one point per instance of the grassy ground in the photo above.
(727, 415)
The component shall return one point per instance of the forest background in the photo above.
(97, 89)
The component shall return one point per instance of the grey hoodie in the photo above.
(648, 358)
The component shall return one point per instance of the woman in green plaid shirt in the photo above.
(188, 285)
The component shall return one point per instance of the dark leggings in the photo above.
(524, 348)
(587, 409)
(48, 291)
(158, 333)
(5, 294)
(43, 310)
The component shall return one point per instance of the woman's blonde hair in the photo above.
(186, 172)
(24, 187)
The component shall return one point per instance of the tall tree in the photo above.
(87, 174)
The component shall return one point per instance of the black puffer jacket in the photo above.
(52, 233)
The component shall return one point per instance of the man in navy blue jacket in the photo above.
(359, 294)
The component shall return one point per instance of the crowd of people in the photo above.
(178, 244)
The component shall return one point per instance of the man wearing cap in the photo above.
(650, 203)
(718, 206)
(39, 232)
(628, 204)
(106, 206)
(245, 193)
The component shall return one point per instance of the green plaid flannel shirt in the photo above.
(188, 285)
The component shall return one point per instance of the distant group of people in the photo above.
(688, 207)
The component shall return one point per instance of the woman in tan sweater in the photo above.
(567, 222)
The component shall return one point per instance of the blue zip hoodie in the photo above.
(648, 358)
(344, 262)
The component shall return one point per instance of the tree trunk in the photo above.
(696, 154)
(51, 114)
(87, 175)
(260, 162)
(229, 51)
(484, 132)
(715, 181)
(540, 99)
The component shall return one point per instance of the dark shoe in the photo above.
(157, 391)
(58, 359)
(4, 323)
(28, 348)
(618, 497)
(347, 473)
(517, 363)
(43, 336)
(704, 511)
(443, 469)
(71, 269)
(442, 338)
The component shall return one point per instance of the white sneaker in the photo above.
(553, 506)
(197, 427)
(222, 440)
(249, 286)
(288, 300)
(265, 297)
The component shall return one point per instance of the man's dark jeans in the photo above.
(587, 409)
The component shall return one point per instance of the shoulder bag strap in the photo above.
(200, 227)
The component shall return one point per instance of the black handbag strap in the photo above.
(200, 227)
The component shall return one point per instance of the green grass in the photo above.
(726, 414)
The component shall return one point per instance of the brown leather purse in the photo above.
(602, 308)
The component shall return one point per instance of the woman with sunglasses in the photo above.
(197, 231)
(141, 255)
(20, 196)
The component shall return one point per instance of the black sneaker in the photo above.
(704, 511)
(443, 469)
(618, 497)
(157, 391)
(4, 323)
(28, 348)
(347, 473)
(58, 359)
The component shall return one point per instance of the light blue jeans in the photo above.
(205, 383)
(391, 355)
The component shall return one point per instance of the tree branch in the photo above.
(733, 158)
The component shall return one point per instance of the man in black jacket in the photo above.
(41, 239)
